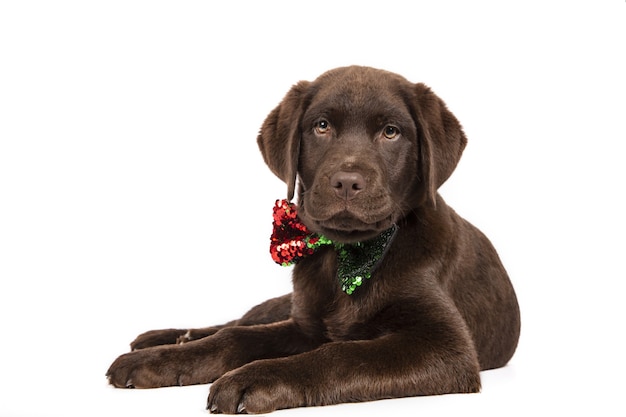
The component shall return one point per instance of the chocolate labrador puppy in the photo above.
(394, 294)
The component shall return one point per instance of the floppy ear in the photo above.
(279, 138)
(441, 140)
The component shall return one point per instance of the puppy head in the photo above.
(366, 145)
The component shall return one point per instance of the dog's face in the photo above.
(366, 145)
(358, 155)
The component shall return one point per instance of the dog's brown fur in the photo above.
(368, 149)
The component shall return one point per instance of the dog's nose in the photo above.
(347, 184)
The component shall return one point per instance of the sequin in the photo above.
(291, 240)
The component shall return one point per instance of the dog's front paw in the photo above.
(254, 389)
(160, 366)
(147, 368)
(157, 338)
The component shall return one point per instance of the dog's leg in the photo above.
(345, 372)
(432, 355)
(204, 360)
(172, 336)
(270, 311)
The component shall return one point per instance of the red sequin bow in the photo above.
(291, 240)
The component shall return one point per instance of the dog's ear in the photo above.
(441, 140)
(279, 138)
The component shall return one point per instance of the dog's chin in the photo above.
(349, 224)
(351, 230)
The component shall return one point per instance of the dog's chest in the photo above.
(349, 319)
(320, 300)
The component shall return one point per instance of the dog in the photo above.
(429, 307)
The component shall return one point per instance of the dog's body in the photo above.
(369, 150)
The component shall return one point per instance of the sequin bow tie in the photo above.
(291, 241)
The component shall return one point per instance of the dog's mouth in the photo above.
(347, 221)
(345, 228)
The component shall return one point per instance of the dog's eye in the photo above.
(322, 127)
(391, 132)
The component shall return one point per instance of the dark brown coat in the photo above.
(368, 149)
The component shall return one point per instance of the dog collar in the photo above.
(291, 241)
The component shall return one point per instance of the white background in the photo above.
(133, 195)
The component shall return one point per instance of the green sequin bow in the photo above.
(291, 241)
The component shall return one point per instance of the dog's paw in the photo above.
(161, 366)
(157, 338)
(147, 368)
(254, 389)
